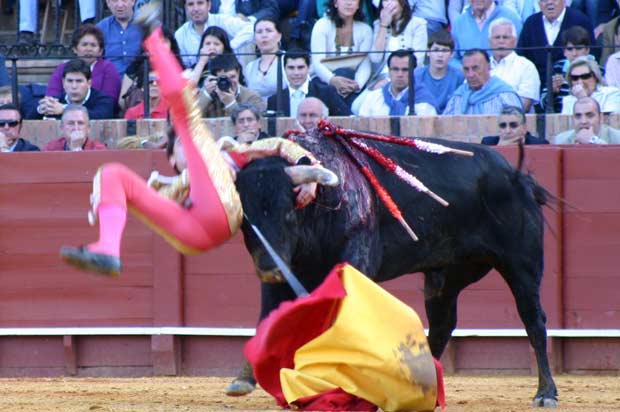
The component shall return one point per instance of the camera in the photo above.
(223, 83)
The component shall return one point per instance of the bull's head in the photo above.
(266, 190)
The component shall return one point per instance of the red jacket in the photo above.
(61, 144)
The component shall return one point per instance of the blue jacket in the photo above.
(467, 35)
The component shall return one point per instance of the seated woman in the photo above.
(198, 210)
(261, 75)
(158, 107)
(88, 44)
(342, 31)
(396, 29)
(585, 80)
(214, 41)
(575, 43)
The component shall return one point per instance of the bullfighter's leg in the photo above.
(203, 226)
(524, 278)
(441, 292)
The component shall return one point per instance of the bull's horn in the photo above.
(306, 174)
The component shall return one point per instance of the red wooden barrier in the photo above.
(43, 205)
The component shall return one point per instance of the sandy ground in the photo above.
(464, 394)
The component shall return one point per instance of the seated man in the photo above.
(309, 112)
(546, 28)
(75, 131)
(246, 121)
(76, 84)
(121, 36)
(10, 128)
(482, 93)
(512, 129)
(221, 91)
(247, 10)
(515, 70)
(471, 29)
(297, 67)
(393, 98)
(240, 31)
(588, 127)
(439, 75)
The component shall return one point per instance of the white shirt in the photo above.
(520, 73)
(552, 29)
(294, 102)
(374, 105)
(239, 31)
(228, 7)
(607, 97)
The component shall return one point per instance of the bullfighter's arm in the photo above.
(172, 187)
(275, 146)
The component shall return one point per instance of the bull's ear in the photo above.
(307, 174)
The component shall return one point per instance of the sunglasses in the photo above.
(10, 123)
(512, 125)
(585, 76)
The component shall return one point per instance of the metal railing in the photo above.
(548, 107)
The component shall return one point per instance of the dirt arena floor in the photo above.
(464, 394)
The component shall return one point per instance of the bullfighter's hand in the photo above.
(306, 193)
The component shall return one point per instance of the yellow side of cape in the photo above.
(376, 350)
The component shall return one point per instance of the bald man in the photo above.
(588, 127)
(309, 112)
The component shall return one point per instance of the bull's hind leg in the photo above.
(524, 279)
(441, 291)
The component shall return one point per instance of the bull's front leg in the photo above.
(272, 294)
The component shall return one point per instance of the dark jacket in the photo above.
(4, 74)
(256, 8)
(529, 139)
(324, 92)
(24, 145)
(533, 35)
(99, 106)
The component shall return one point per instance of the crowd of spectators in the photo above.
(310, 60)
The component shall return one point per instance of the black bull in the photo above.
(494, 220)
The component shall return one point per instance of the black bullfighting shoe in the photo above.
(149, 17)
(84, 259)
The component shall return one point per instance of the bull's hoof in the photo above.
(240, 387)
(539, 401)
